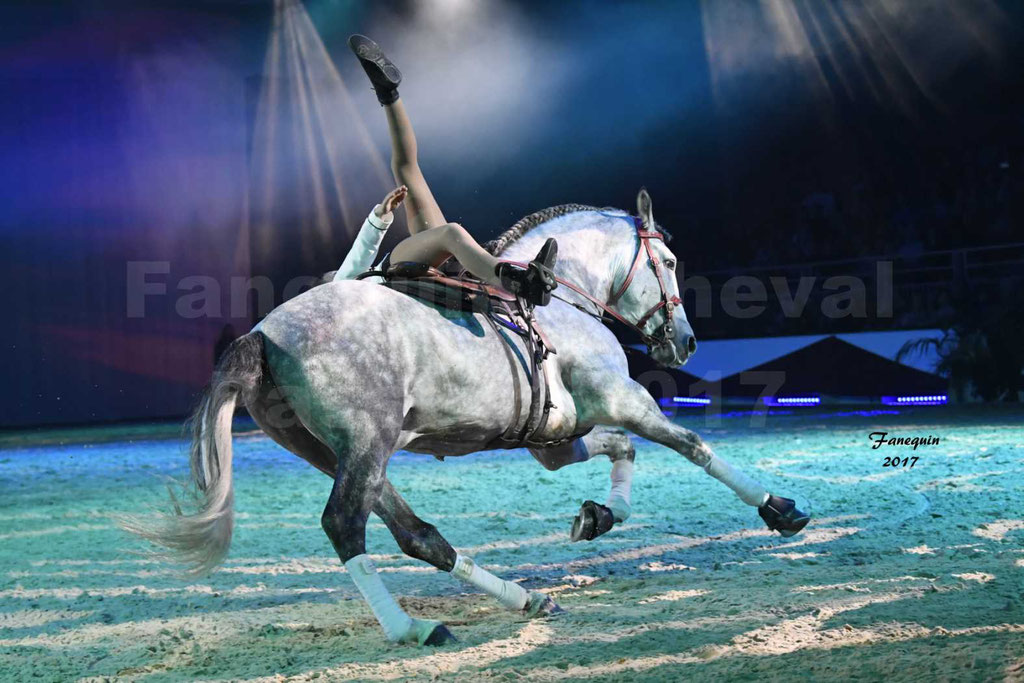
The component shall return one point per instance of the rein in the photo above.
(664, 334)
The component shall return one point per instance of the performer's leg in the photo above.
(420, 206)
(449, 239)
(435, 245)
(432, 239)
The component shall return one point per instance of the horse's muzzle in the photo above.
(690, 344)
(686, 347)
(683, 348)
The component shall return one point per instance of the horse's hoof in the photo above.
(440, 636)
(782, 515)
(541, 605)
(428, 632)
(593, 520)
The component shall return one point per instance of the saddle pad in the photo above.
(448, 292)
(452, 298)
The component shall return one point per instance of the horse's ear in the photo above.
(644, 209)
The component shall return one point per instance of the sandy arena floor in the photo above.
(905, 574)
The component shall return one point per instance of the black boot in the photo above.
(535, 283)
(780, 514)
(384, 75)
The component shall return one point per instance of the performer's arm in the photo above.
(362, 254)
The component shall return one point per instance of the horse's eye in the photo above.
(670, 264)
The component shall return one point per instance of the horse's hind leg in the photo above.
(417, 539)
(272, 412)
(421, 540)
(357, 488)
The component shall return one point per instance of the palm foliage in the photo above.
(981, 349)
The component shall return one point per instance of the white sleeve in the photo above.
(360, 257)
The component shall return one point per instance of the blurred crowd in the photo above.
(939, 201)
(931, 201)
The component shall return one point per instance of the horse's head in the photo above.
(647, 292)
(616, 264)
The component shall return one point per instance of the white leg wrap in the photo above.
(749, 491)
(622, 482)
(395, 622)
(511, 595)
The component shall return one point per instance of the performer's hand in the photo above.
(391, 201)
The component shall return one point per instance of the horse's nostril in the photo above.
(691, 344)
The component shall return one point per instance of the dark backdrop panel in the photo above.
(767, 133)
(123, 135)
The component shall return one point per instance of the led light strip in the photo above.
(792, 400)
(693, 401)
(926, 400)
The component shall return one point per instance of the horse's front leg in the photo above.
(593, 518)
(629, 405)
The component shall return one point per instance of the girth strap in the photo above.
(524, 428)
(517, 392)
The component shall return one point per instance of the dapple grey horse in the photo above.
(349, 372)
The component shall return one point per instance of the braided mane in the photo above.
(528, 223)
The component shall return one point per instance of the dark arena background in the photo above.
(844, 187)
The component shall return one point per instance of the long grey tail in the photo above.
(201, 540)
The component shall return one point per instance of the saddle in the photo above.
(453, 291)
(460, 291)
